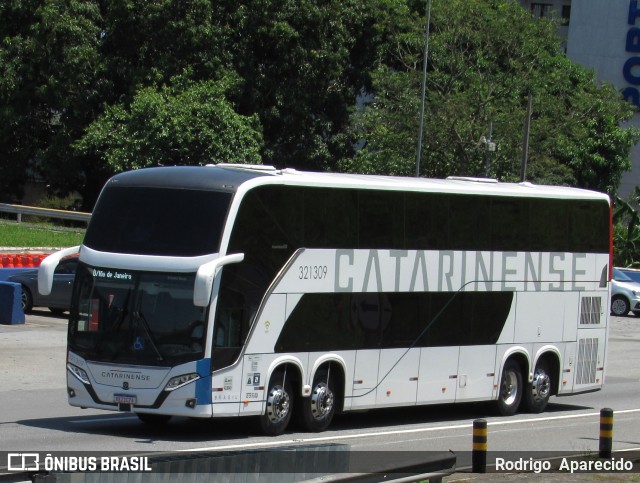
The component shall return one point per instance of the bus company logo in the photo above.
(23, 462)
(125, 376)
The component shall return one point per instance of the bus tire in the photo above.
(537, 392)
(153, 419)
(510, 390)
(319, 408)
(279, 406)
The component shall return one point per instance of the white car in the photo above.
(625, 294)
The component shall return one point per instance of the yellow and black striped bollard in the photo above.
(606, 432)
(479, 453)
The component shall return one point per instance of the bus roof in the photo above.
(229, 177)
(186, 177)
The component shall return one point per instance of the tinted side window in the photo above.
(320, 322)
(381, 219)
(324, 322)
(509, 224)
(330, 218)
(470, 222)
(426, 221)
(548, 226)
(588, 226)
(274, 221)
(268, 227)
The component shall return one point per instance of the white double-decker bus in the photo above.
(225, 291)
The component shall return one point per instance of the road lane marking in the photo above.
(322, 439)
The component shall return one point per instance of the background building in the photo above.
(603, 35)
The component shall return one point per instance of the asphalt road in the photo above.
(34, 414)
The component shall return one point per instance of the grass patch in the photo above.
(30, 235)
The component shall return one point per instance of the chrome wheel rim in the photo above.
(278, 404)
(509, 389)
(322, 401)
(541, 386)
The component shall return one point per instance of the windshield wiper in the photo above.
(139, 316)
(121, 313)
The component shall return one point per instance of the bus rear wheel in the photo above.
(319, 408)
(510, 389)
(538, 391)
(279, 406)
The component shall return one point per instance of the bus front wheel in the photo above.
(279, 407)
(319, 408)
(510, 389)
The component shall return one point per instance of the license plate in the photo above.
(125, 398)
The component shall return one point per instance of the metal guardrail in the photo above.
(20, 210)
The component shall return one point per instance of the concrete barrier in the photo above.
(11, 304)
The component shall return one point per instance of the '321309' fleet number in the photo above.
(312, 272)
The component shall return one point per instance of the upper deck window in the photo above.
(158, 221)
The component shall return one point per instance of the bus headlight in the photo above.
(179, 381)
(81, 374)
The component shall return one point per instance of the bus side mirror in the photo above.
(48, 267)
(207, 274)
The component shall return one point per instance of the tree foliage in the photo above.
(485, 58)
(626, 234)
(91, 87)
(50, 68)
(303, 65)
(193, 124)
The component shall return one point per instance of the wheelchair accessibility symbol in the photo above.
(138, 345)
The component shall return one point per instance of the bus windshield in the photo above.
(135, 317)
(158, 221)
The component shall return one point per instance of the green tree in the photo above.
(50, 70)
(626, 233)
(72, 69)
(186, 123)
(148, 43)
(486, 58)
(298, 65)
(303, 64)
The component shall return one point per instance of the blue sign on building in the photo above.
(631, 68)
